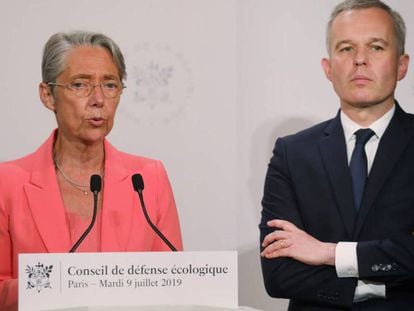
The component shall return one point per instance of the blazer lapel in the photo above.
(333, 151)
(45, 202)
(119, 202)
(392, 145)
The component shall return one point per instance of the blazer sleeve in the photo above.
(8, 284)
(167, 215)
(286, 277)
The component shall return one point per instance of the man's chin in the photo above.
(365, 103)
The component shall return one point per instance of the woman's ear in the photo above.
(47, 97)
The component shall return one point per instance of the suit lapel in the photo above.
(45, 202)
(333, 151)
(392, 145)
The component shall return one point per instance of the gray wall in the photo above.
(211, 84)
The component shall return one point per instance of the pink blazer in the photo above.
(32, 216)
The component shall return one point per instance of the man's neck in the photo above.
(366, 115)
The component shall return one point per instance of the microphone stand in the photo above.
(138, 185)
(95, 188)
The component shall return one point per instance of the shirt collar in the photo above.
(379, 126)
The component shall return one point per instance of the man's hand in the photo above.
(290, 241)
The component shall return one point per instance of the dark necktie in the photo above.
(358, 164)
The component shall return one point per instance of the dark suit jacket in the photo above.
(308, 182)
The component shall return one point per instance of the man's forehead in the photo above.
(368, 24)
(363, 16)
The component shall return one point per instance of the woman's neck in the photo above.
(78, 160)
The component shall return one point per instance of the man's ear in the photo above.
(47, 97)
(326, 65)
(403, 62)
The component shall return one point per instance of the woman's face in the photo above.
(84, 119)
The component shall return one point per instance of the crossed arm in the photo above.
(300, 228)
(290, 241)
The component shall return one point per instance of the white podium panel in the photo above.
(111, 280)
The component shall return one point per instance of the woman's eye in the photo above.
(78, 85)
(110, 85)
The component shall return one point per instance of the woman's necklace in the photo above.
(78, 186)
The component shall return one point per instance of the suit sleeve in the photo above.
(286, 277)
(385, 250)
(389, 261)
(167, 217)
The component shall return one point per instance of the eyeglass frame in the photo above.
(92, 86)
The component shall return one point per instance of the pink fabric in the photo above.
(77, 226)
(32, 216)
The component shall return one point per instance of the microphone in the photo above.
(138, 184)
(95, 185)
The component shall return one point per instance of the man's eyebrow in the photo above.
(373, 40)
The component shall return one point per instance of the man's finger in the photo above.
(282, 224)
(274, 236)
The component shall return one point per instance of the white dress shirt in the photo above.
(346, 262)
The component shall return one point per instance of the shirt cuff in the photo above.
(368, 290)
(346, 263)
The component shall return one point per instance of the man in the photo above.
(333, 239)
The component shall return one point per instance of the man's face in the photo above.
(86, 119)
(364, 64)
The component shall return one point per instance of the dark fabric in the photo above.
(309, 183)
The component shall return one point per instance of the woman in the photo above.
(45, 201)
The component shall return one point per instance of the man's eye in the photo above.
(345, 49)
(377, 48)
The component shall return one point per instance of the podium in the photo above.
(199, 281)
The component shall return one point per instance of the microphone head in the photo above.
(95, 183)
(137, 182)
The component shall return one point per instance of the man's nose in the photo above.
(360, 58)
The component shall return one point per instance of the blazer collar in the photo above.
(119, 202)
(45, 201)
